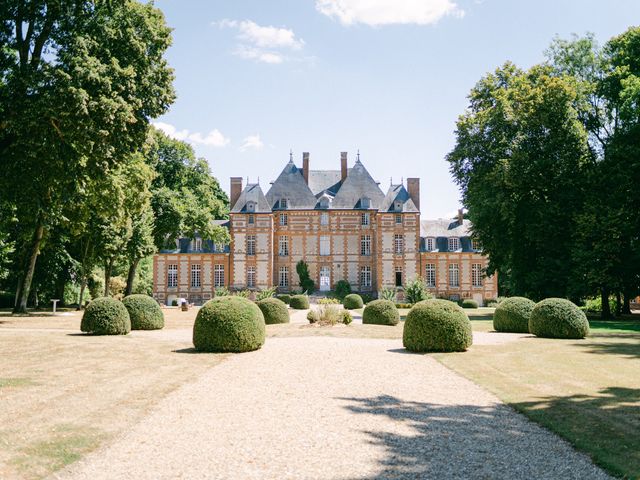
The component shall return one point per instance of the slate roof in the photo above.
(321, 180)
(251, 193)
(442, 229)
(398, 193)
(290, 184)
(356, 186)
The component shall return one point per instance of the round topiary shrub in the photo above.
(512, 315)
(144, 312)
(352, 301)
(437, 326)
(381, 312)
(469, 303)
(284, 297)
(106, 316)
(229, 324)
(299, 302)
(274, 310)
(558, 318)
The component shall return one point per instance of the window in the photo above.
(196, 244)
(454, 244)
(430, 275)
(172, 276)
(324, 218)
(365, 245)
(476, 275)
(398, 276)
(251, 244)
(365, 276)
(398, 244)
(475, 245)
(219, 247)
(398, 206)
(398, 219)
(365, 219)
(325, 245)
(283, 246)
(218, 275)
(454, 275)
(251, 277)
(365, 202)
(251, 219)
(195, 275)
(430, 244)
(284, 203)
(284, 220)
(251, 206)
(325, 201)
(283, 277)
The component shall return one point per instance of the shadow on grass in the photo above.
(429, 440)
(627, 349)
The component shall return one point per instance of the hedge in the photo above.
(299, 302)
(274, 310)
(437, 326)
(381, 312)
(229, 324)
(106, 316)
(558, 318)
(352, 301)
(144, 312)
(512, 315)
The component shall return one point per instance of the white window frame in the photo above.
(283, 246)
(398, 244)
(172, 275)
(429, 244)
(324, 218)
(476, 274)
(251, 245)
(365, 276)
(325, 245)
(218, 275)
(430, 275)
(365, 245)
(196, 275)
(283, 277)
(284, 220)
(251, 276)
(454, 275)
(365, 219)
(453, 244)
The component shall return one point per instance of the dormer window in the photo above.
(365, 202)
(284, 203)
(454, 244)
(324, 202)
(397, 206)
(430, 244)
(251, 206)
(475, 245)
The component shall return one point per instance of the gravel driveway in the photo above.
(333, 408)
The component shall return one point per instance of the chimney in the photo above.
(305, 167)
(236, 189)
(460, 216)
(343, 166)
(413, 187)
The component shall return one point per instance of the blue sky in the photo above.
(388, 77)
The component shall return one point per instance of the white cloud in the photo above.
(252, 141)
(387, 12)
(266, 44)
(214, 138)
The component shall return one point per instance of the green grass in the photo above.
(614, 326)
(16, 382)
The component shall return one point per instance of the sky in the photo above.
(258, 79)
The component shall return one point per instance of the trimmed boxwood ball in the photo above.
(468, 303)
(352, 301)
(512, 315)
(299, 302)
(558, 318)
(144, 312)
(229, 324)
(381, 312)
(106, 316)
(284, 297)
(274, 310)
(437, 326)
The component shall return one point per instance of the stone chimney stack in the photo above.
(460, 216)
(413, 187)
(343, 166)
(235, 191)
(305, 167)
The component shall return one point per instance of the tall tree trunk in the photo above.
(626, 306)
(604, 296)
(131, 277)
(25, 284)
(83, 285)
(108, 266)
(618, 303)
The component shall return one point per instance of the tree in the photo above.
(306, 283)
(79, 82)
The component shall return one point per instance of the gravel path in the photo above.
(333, 408)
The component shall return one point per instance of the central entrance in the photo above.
(325, 279)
